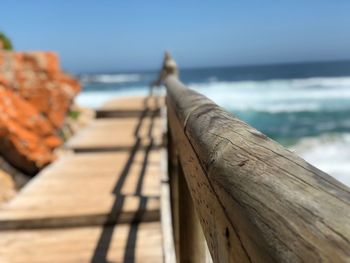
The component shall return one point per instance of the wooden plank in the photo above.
(105, 113)
(122, 210)
(77, 191)
(117, 134)
(256, 200)
(130, 107)
(121, 243)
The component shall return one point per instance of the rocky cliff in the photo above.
(35, 96)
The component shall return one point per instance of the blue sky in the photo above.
(124, 35)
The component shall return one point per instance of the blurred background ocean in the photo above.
(304, 106)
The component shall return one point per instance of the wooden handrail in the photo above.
(255, 200)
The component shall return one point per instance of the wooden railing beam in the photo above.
(256, 201)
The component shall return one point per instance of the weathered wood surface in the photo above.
(117, 135)
(81, 190)
(256, 201)
(100, 206)
(128, 243)
(165, 208)
(130, 107)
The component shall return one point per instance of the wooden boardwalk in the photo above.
(101, 203)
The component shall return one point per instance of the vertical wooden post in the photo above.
(192, 240)
(174, 190)
(166, 210)
(169, 67)
(190, 244)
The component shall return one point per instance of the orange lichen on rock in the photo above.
(26, 137)
(34, 99)
(37, 78)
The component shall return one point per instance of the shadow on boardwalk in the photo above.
(103, 244)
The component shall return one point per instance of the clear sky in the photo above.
(104, 35)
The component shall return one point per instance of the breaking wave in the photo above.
(290, 95)
(111, 78)
(330, 153)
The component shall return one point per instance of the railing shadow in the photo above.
(105, 239)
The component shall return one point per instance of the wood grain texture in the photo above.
(261, 200)
(211, 214)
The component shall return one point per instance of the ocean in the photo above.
(304, 106)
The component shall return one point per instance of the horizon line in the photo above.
(217, 66)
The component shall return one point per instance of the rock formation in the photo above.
(35, 96)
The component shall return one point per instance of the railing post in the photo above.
(192, 240)
(174, 189)
(190, 244)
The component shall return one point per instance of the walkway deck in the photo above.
(99, 204)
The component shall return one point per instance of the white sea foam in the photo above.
(111, 78)
(95, 99)
(329, 153)
(293, 95)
